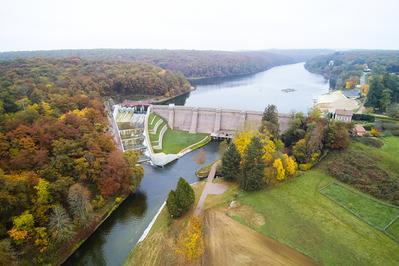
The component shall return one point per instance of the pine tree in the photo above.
(270, 121)
(231, 163)
(253, 166)
(185, 196)
(60, 225)
(171, 204)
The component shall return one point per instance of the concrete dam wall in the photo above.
(217, 122)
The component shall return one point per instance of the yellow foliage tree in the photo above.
(278, 165)
(242, 140)
(270, 149)
(290, 165)
(191, 243)
(374, 132)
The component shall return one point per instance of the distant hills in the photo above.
(194, 64)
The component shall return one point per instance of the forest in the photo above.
(349, 65)
(60, 171)
(193, 64)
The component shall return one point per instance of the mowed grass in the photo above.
(298, 215)
(391, 146)
(393, 229)
(372, 211)
(174, 140)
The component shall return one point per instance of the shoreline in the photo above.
(75, 246)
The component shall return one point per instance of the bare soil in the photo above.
(228, 242)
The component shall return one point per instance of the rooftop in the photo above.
(343, 112)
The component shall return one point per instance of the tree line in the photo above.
(255, 159)
(193, 64)
(348, 66)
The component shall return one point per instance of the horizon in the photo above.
(177, 25)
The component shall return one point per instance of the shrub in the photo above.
(373, 142)
(374, 132)
(363, 117)
(180, 200)
(362, 171)
(305, 166)
(390, 126)
(368, 126)
(395, 132)
(171, 204)
(191, 243)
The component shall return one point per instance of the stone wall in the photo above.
(214, 121)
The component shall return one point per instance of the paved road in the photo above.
(210, 188)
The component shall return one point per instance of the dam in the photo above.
(219, 123)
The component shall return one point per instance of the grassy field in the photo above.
(175, 141)
(372, 211)
(298, 215)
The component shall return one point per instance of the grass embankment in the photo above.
(159, 247)
(204, 171)
(173, 140)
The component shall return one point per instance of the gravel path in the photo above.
(210, 188)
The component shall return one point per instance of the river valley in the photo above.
(111, 243)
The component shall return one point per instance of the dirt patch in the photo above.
(228, 242)
(247, 213)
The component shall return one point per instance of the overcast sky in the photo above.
(198, 24)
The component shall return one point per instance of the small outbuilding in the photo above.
(359, 131)
(343, 115)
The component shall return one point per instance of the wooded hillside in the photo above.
(192, 63)
(59, 169)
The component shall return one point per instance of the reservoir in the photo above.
(289, 87)
(112, 242)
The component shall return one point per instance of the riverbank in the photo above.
(106, 211)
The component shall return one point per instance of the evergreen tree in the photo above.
(185, 196)
(60, 225)
(375, 92)
(270, 121)
(385, 100)
(253, 166)
(171, 204)
(231, 163)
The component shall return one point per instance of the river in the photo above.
(111, 243)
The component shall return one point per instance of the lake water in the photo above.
(112, 242)
(255, 92)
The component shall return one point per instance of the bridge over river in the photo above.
(220, 123)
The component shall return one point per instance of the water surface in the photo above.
(255, 92)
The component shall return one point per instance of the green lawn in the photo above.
(298, 215)
(174, 141)
(391, 146)
(393, 229)
(372, 211)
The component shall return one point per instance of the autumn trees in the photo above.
(257, 158)
(58, 163)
